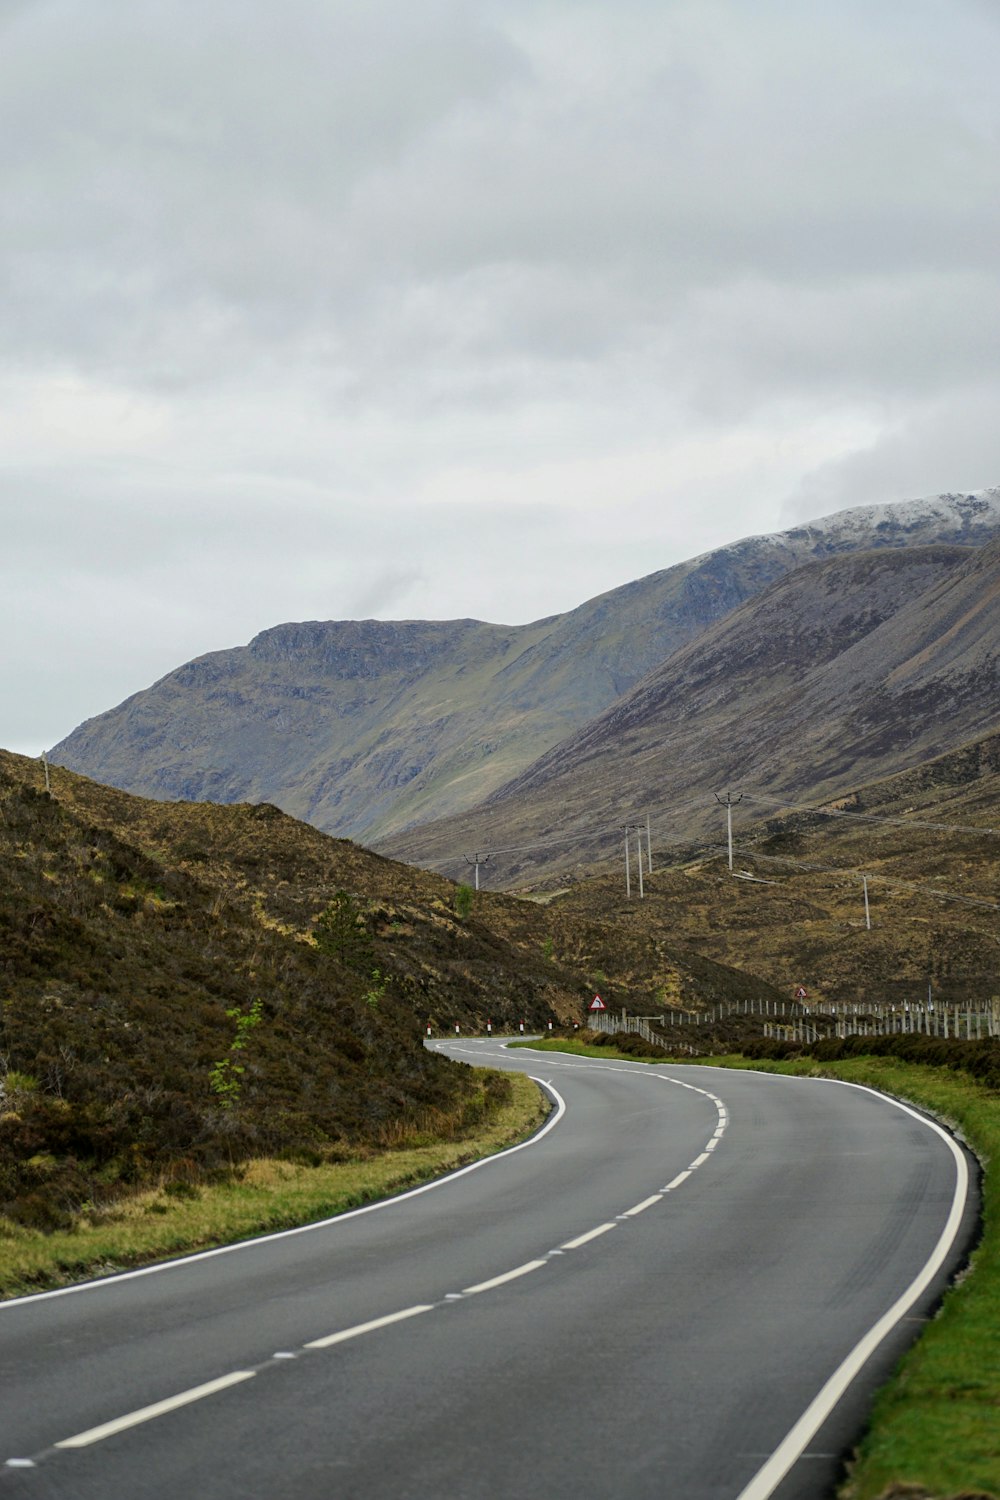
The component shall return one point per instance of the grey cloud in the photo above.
(467, 306)
(947, 444)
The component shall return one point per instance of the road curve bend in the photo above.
(688, 1284)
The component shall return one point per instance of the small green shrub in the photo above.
(464, 899)
(226, 1076)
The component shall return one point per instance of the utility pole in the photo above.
(729, 804)
(628, 874)
(45, 767)
(477, 860)
(638, 845)
(649, 848)
(868, 915)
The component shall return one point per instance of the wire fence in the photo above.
(970, 1021)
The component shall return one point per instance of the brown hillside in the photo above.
(136, 939)
(843, 672)
(929, 842)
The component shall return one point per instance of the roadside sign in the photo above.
(801, 994)
(597, 1004)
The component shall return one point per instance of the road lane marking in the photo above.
(640, 1208)
(285, 1234)
(158, 1409)
(793, 1445)
(584, 1239)
(698, 1161)
(487, 1286)
(370, 1327)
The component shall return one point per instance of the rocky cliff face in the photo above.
(367, 728)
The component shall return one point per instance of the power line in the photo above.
(729, 804)
(477, 860)
(907, 885)
(842, 812)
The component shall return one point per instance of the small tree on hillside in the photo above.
(464, 898)
(340, 931)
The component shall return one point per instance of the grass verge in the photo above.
(935, 1426)
(263, 1196)
(583, 1049)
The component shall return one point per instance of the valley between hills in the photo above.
(839, 683)
(195, 981)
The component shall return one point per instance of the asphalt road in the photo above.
(670, 1292)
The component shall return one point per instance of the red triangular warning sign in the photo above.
(597, 1003)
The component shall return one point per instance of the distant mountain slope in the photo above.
(846, 670)
(365, 728)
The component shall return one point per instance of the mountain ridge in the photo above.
(780, 695)
(368, 728)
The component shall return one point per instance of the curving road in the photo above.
(687, 1285)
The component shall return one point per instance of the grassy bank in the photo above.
(261, 1197)
(936, 1425)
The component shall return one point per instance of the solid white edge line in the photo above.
(284, 1234)
(370, 1327)
(767, 1478)
(487, 1286)
(158, 1409)
(584, 1239)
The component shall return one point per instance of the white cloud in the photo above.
(465, 307)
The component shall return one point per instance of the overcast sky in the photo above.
(332, 309)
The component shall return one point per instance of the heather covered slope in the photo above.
(140, 940)
(846, 670)
(366, 728)
(136, 938)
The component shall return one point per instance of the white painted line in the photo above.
(285, 1234)
(766, 1480)
(676, 1181)
(158, 1409)
(20, 1463)
(584, 1239)
(646, 1203)
(487, 1286)
(698, 1161)
(712, 1143)
(360, 1328)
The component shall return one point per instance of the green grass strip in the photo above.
(266, 1196)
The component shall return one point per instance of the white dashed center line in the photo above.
(360, 1328)
(583, 1239)
(487, 1286)
(158, 1409)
